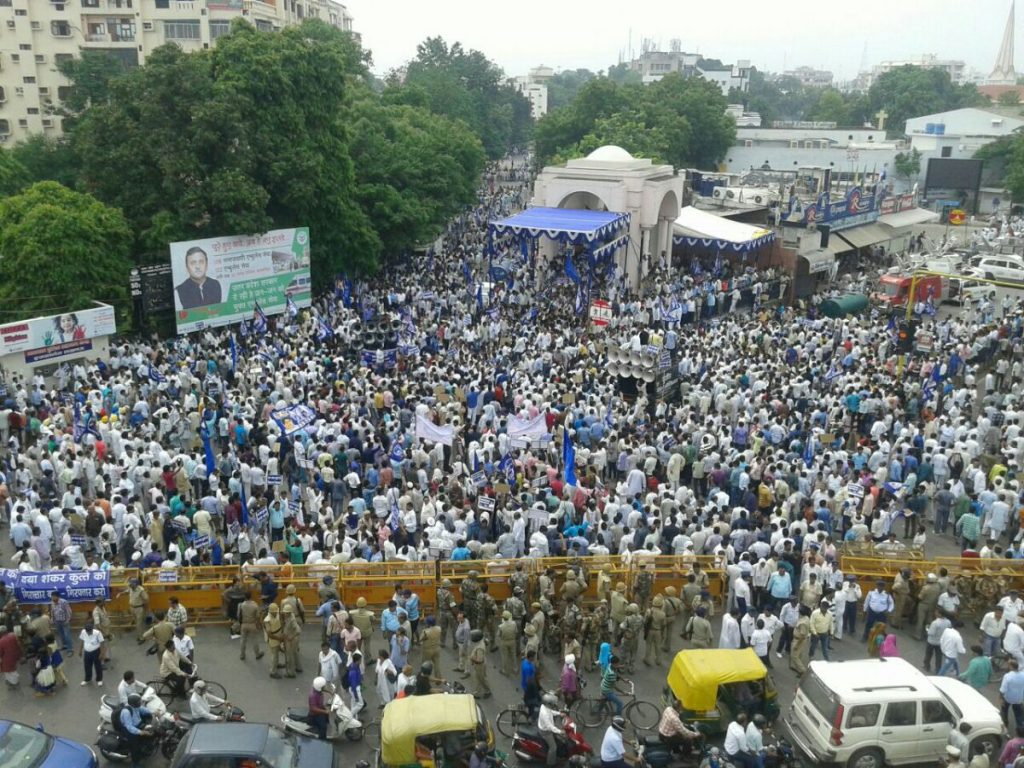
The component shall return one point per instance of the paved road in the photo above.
(72, 711)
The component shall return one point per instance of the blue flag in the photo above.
(243, 328)
(480, 297)
(568, 457)
(259, 319)
(397, 454)
(579, 299)
(211, 463)
(291, 307)
(83, 425)
(346, 292)
(467, 273)
(809, 449)
(508, 468)
(234, 352)
(323, 331)
(245, 507)
(155, 376)
(608, 420)
(570, 270)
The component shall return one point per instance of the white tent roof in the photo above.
(695, 223)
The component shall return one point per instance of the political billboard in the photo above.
(45, 338)
(217, 281)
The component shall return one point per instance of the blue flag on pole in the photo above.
(568, 457)
(508, 468)
(83, 425)
(346, 292)
(397, 454)
(480, 297)
(570, 270)
(259, 319)
(809, 449)
(608, 419)
(234, 352)
(291, 307)
(245, 507)
(467, 273)
(210, 461)
(243, 328)
(579, 299)
(155, 376)
(323, 331)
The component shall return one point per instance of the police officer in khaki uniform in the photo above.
(508, 643)
(672, 608)
(618, 603)
(138, 601)
(430, 642)
(631, 628)
(478, 660)
(297, 607)
(517, 608)
(520, 580)
(532, 641)
(900, 598)
(273, 625)
(249, 622)
(363, 618)
(487, 612)
(446, 608)
(292, 634)
(571, 589)
(643, 586)
(160, 632)
(655, 623)
(538, 620)
(470, 589)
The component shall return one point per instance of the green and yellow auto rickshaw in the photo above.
(712, 686)
(435, 731)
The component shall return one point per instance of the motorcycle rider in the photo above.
(202, 703)
(133, 715)
(128, 686)
(548, 727)
(755, 738)
(318, 713)
(736, 749)
(426, 683)
(673, 733)
(613, 752)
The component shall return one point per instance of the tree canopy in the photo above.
(464, 85)
(910, 91)
(61, 250)
(676, 120)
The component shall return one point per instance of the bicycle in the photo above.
(511, 718)
(593, 711)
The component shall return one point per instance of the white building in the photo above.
(534, 87)
(955, 68)
(729, 77)
(38, 34)
(961, 132)
(810, 77)
(654, 65)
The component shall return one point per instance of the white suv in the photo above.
(869, 713)
(1007, 268)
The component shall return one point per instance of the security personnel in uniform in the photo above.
(430, 641)
(520, 580)
(672, 608)
(273, 625)
(643, 586)
(618, 603)
(508, 643)
(631, 628)
(571, 589)
(363, 619)
(446, 607)
(292, 635)
(487, 613)
(138, 601)
(655, 623)
(249, 621)
(538, 620)
(470, 588)
(478, 660)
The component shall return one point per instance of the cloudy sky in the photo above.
(773, 35)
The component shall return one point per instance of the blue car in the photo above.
(26, 747)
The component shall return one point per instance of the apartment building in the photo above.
(36, 35)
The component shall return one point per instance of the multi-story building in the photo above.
(36, 35)
(654, 65)
(955, 68)
(534, 87)
(810, 77)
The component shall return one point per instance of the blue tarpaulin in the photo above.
(573, 226)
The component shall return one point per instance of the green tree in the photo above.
(415, 170)
(911, 91)
(623, 74)
(564, 86)
(241, 138)
(464, 85)
(1009, 98)
(13, 175)
(907, 165)
(91, 75)
(47, 158)
(61, 250)
(830, 107)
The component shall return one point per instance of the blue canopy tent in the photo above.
(599, 233)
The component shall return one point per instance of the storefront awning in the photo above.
(864, 235)
(819, 261)
(837, 246)
(908, 218)
(699, 228)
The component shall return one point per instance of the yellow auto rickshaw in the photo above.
(435, 731)
(712, 686)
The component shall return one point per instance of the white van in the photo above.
(873, 712)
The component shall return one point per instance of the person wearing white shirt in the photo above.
(952, 646)
(547, 726)
(1013, 641)
(128, 686)
(729, 637)
(91, 647)
(1012, 606)
(200, 703)
(736, 743)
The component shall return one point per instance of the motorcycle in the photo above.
(659, 754)
(167, 734)
(296, 720)
(529, 743)
(150, 701)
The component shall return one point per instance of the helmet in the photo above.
(619, 723)
(319, 684)
(760, 721)
(134, 700)
(473, 574)
(476, 635)
(199, 685)
(633, 608)
(361, 602)
(427, 668)
(658, 601)
(549, 700)
(446, 582)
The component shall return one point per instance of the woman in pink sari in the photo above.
(888, 649)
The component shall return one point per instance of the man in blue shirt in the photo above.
(389, 622)
(780, 586)
(1011, 695)
(132, 717)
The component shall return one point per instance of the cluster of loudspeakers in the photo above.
(624, 362)
(380, 334)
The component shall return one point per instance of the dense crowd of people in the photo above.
(787, 437)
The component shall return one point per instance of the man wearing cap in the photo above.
(249, 624)
(138, 601)
(901, 596)
(1012, 606)
(430, 640)
(446, 611)
(927, 599)
(363, 618)
(508, 642)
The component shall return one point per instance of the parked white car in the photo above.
(1000, 267)
(873, 712)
